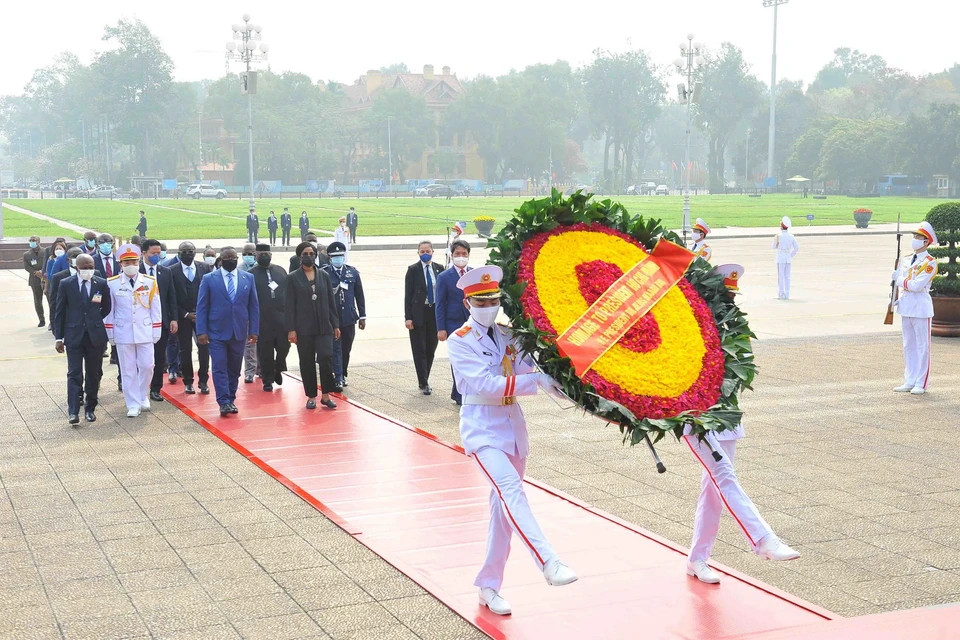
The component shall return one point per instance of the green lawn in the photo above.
(18, 225)
(175, 219)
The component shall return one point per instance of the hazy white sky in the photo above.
(341, 40)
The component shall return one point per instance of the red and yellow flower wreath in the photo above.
(681, 364)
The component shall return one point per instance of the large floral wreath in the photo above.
(683, 364)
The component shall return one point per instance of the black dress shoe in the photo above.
(156, 397)
(311, 403)
(204, 389)
(188, 389)
(268, 387)
(329, 404)
(74, 418)
(172, 378)
(119, 385)
(279, 378)
(338, 389)
(90, 416)
(224, 409)
(43, 323)
(247, 379)
(233, 408)
(427, 390)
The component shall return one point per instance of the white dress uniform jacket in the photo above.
(914, 279)
(786, 245)
(135, 316)
(489, 374)
(702, 250)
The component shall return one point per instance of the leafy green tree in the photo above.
(855, 152)
(929, 143)
(849, 67)
(413, 128)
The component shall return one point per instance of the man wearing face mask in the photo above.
(700, 248)
(304, 226)
(228, 318)
(419, 300)
(210, 256)
(134, 324)
(33, 265)
(69, 270)
(352, 306)
(342, 235)
(786, 246)
(253, 225)
(167, 292)
(353, 221)
(248, 260)
(272, 343)
(272, 227)
(104, 262)
(83, 301)
(286, 223)
(90, 243)
(916, 310)
(491, 372)
(451, 314)
(187, 274)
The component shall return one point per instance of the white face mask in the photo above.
(85, 274)
(917, 244)
(58, 252)
(73, 263)
(461, 262)
(131, 270)
(485, 316)
(698, 237)
(211, 260)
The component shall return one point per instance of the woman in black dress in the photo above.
(312, 324)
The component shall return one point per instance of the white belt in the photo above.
(488, 401)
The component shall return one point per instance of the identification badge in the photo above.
(313, 297)
(33, 262)
(96, 298)
(272, 285)
(344, 285)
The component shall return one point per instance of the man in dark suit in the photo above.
(286, 223)
(253, 225)
(352, 222)
(104, 261)
(59, 276)
(187, 274)
(272, 227)
(89, 243)
(33, 265)
(272, 343)
(150, 265)
(304, 226)
(82, 302)
(228, 317)
(419, 300)
(451, 314)
(141, 228)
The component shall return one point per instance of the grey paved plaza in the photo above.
(155, 528)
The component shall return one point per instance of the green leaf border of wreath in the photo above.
(545, 214)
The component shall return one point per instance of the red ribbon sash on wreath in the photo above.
(623, 304)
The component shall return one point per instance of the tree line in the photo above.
(616, 120)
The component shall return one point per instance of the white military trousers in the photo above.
(509, 513)
(916, 351)
(136, 371)
(783, 280)
(720, 488)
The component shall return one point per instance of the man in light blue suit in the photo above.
(228, 317)
(451, 314)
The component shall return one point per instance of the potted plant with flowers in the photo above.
(862, 217)
(945, 288)
(484, 225)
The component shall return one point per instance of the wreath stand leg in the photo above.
(661, 468)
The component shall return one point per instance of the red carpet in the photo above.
(422, 506)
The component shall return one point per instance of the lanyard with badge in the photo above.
(271, 285)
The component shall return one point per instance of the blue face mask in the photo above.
(425, 258)
(249, 260)
(106, 248)
(33, 245)
(153, 259)
(337, 261)
(163, 255)
(91, 243)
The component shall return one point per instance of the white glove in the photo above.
(895, 274)
(551, 386)
(112, 341)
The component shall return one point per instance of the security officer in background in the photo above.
(253, 225)
(348, 294)
(700, 247)
(304, 226)
(915, 307)
(141, 229)
(272, 343)
(286, 223)
(33, 265)
(272, 227)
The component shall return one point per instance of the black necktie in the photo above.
(85, 288)
(914, 259)
(490, 333)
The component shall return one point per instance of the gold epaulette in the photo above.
(464, 330)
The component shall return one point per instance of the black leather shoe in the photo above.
(278, 379)
(204, 389)
(156, 397)
(329, 404)
(43, 323)
(90, 416)
(188, 389)
(233, 408)
(427, 390)
(172, 378)
(119, 385)
(224, 409)
(338, 389)
(247, 379)
(74, 418)
(268, 387)
(311, 403)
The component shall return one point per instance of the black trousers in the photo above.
(285, 237)
(252, 235)
(353, 234)
(84, 370)
(423, 344)
(186, 334)
(303, 235)
(273, 237)
(272, 356)
(160, 360)
(38, 301)
(313, 349)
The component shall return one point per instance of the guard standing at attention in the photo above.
(786, 245)
(253, 226)
(286, 223)
(272, 227)
(916, 310)
(348, 295)
(700, 248)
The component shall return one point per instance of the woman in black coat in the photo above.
(312, 324)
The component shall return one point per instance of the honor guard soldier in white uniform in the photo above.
(490, 373)
(700, 248)
(134, 324)
(786, 247)
(916, 310)
(719, 487)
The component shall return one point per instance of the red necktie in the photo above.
(462, 272)
(106, 264)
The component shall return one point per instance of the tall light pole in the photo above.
(687, 65)
(390, 151)
(746, 163)
(772, 145)
(246, 52)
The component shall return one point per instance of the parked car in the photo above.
(434, 190)
(648, 188)
(662, 190)
(103, 191)
(198, 191)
